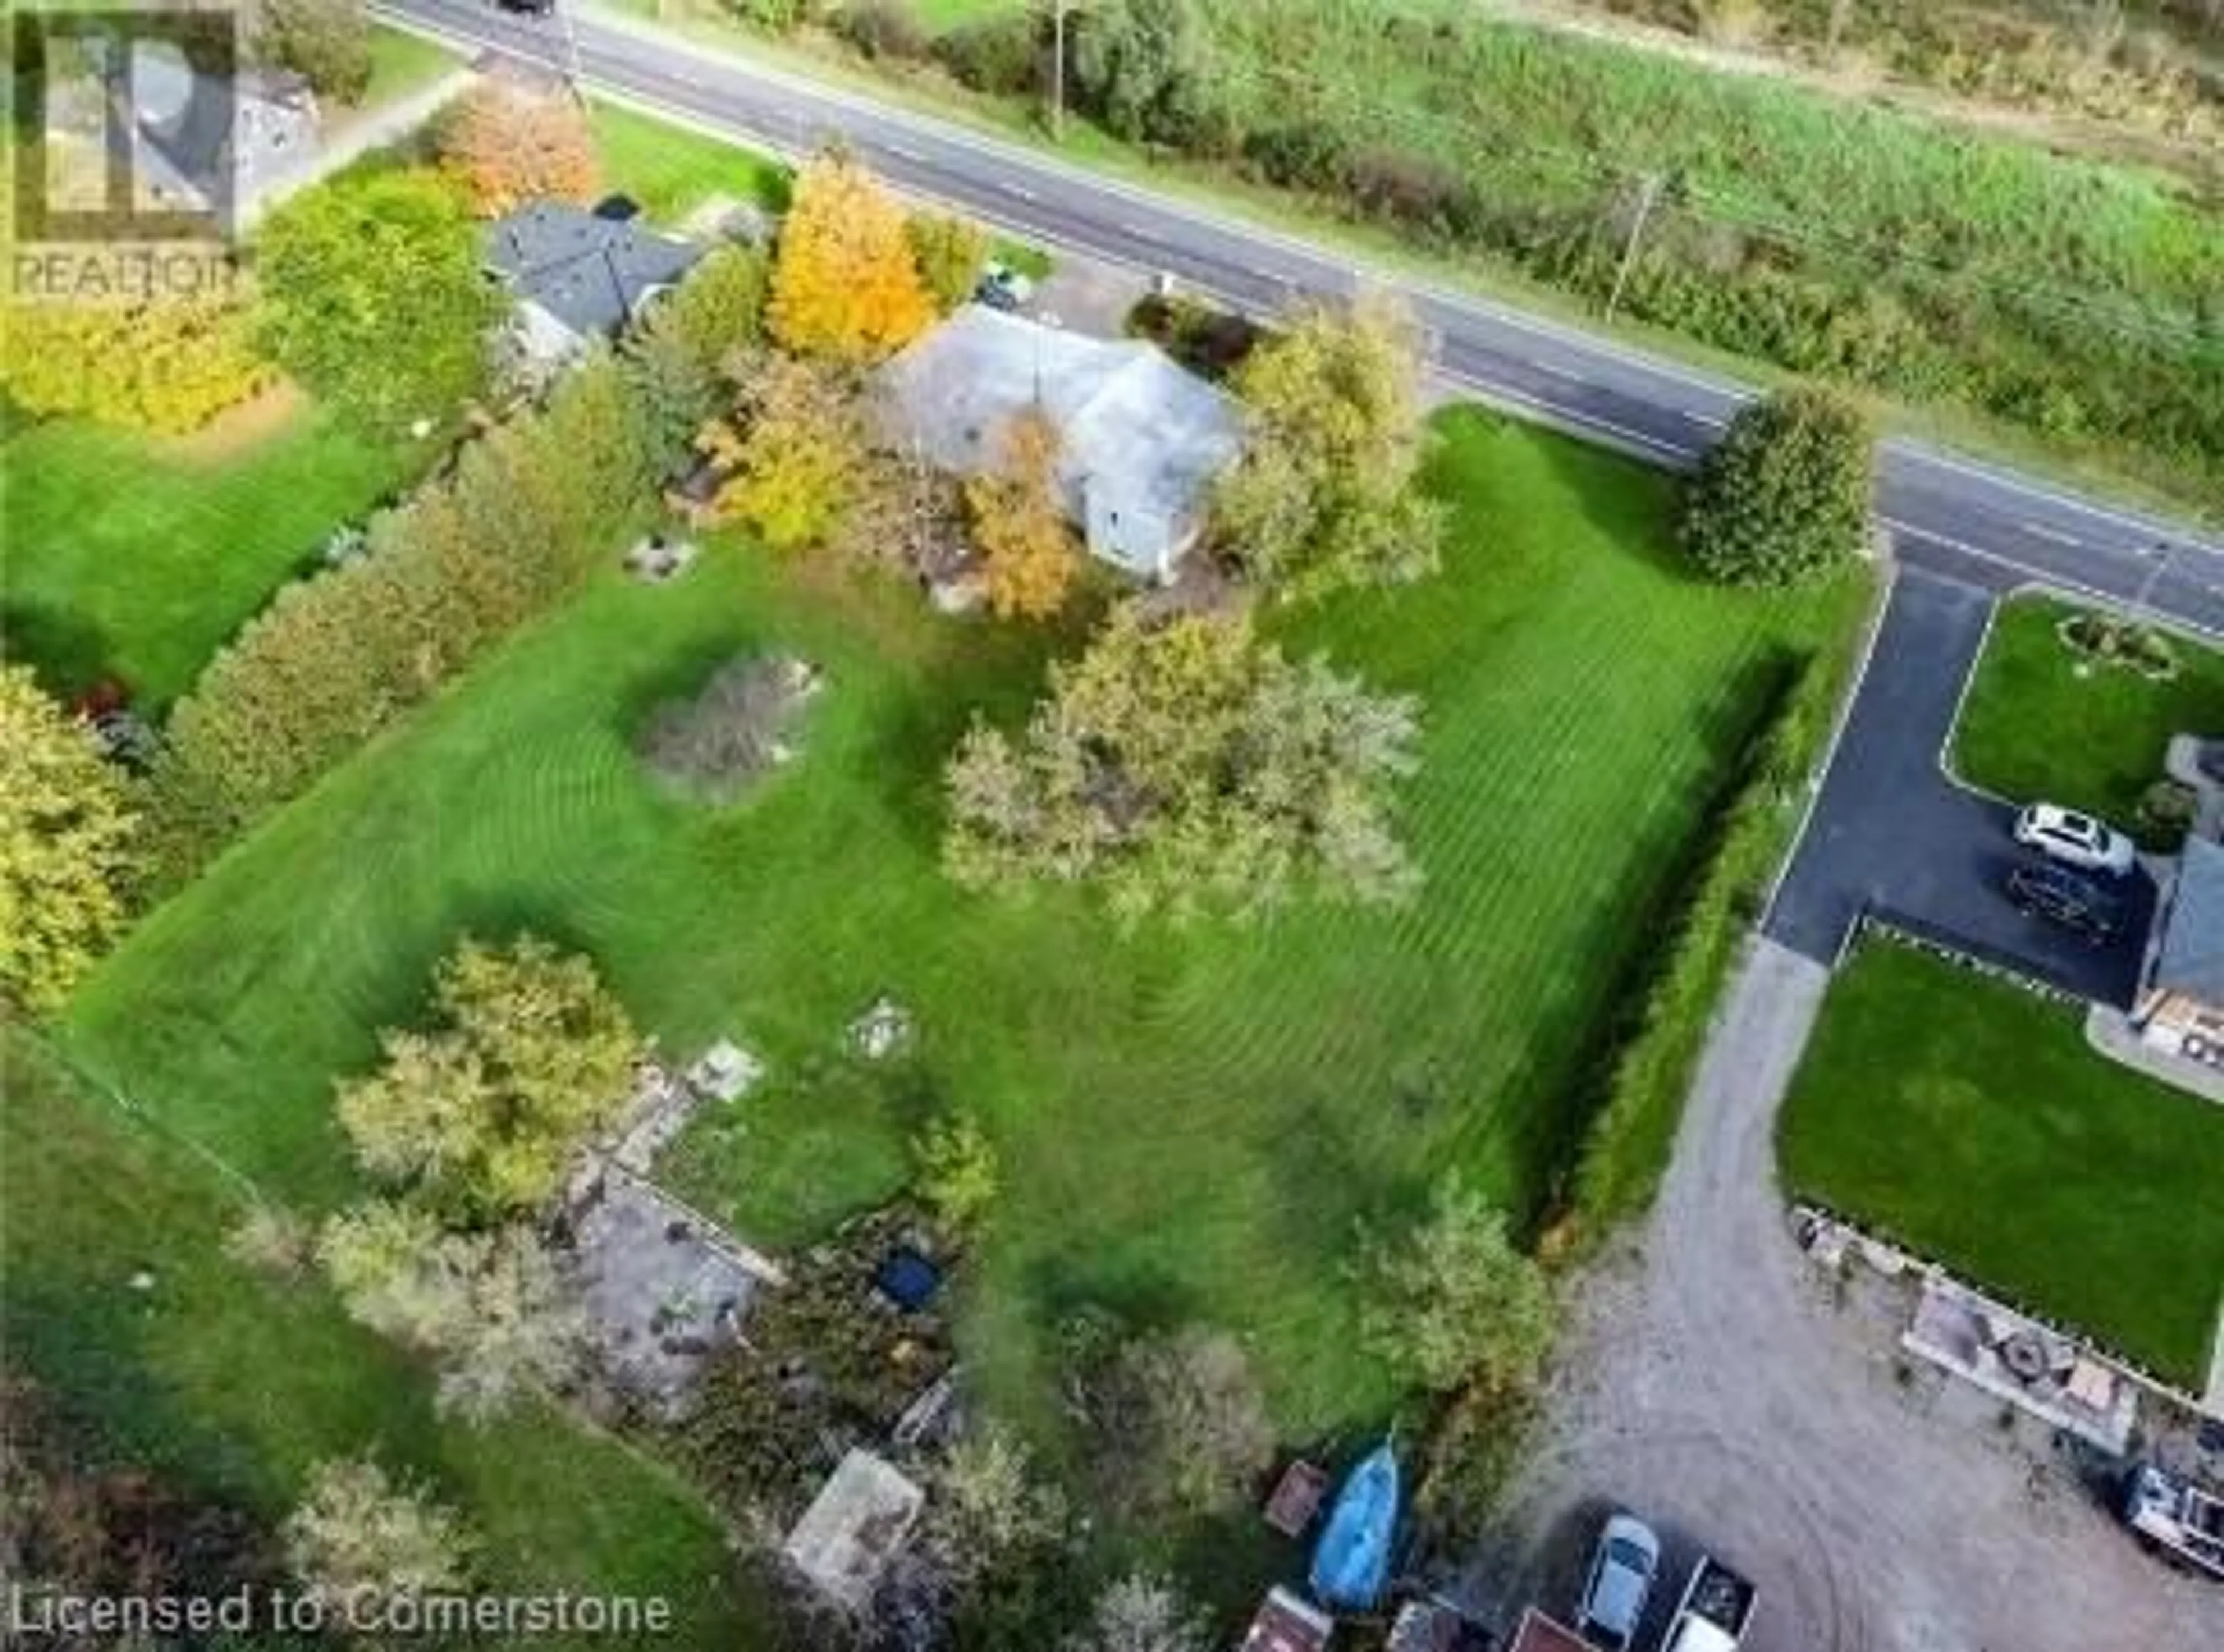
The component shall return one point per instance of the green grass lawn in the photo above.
(232, 1384)
(138, 559)
(940, 17)
(402, 63)
(1971, 1121)
(2038, 722)
(1191, 1122)
(670, 170)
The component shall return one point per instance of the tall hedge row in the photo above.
(528, 511)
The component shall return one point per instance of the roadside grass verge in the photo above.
(2040, 722)
(1192, 1121)
(138, 558)
(402, 63)
(237, 1385)
(673, 169)
(1969, 1120)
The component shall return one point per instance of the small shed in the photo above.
(1297, 1497)
(1287, 1622)
(859, 1522)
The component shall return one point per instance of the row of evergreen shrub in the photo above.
(526, 512)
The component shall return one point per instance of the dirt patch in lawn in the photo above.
(240, 429)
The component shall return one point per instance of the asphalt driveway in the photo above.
(1891, 830)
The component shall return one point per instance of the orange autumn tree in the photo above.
(845, 287)
(509, 144)
(1029, 553)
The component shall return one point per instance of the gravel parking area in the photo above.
(1718, 1385)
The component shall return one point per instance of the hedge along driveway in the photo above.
(1191, 1121)
(1968, 1119)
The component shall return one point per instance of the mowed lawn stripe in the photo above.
(137, 559)
(1193, 1120)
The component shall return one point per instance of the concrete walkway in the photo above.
(2112, 1033)
(1715, 1383)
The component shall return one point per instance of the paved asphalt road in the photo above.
(1890, 830)
(1947, 513)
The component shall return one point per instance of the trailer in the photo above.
(1715, 1612)
(2177, 1516)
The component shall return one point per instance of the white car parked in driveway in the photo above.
(2075, 840)
(1620, 1582)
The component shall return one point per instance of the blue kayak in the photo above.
(1351, 1566)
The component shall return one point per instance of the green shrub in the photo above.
(956, 1170)
(1001, 54)
(883, 28)
(328, 41)
(1783, 499)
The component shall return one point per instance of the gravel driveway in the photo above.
(1713, 1382)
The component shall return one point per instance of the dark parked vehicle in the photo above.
(2060, 896)
(1003, 287)
(529, 8)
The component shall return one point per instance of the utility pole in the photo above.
(562, 10)
(1649, 193)
(2158, 558)
(1058, 72)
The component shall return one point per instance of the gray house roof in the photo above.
(1141, 438)
(590, 274)
(2191, 958)
(199, 134)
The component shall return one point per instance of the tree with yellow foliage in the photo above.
(166, 366)
(846, 286)
(509, 144)
(66, 826)
(1029, 552)
(794, 454)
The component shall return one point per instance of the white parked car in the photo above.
(2075, 840)
(1620, 1582)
